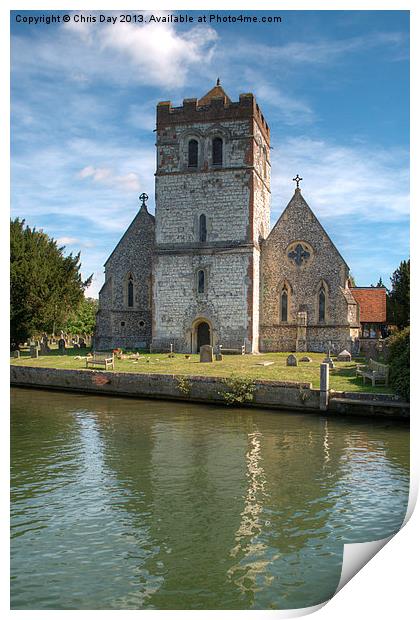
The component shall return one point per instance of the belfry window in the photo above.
(321, 304)
(284, 305)
(130, 291)
(192, 154)
(200, 281)
(217, 152)
(203, 228)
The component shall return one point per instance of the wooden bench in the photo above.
(240, 351)
(100, 359)
(374, 371)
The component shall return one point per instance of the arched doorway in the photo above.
(203, 335)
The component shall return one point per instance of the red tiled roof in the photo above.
(372, 303)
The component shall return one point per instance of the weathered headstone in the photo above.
(33, 350)
(218, 357)
(306, 358)
(266, 363)
(61, 345)
(16, 354)
(206, 353)
(82, 344)
(344, 356)
(45, 349)
(328, 360)
(291, 360)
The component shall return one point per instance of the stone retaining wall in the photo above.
(272, 394)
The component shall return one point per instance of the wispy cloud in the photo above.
(366, 183)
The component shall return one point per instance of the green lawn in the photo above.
(343, 377)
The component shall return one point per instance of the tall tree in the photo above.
(399, 296)
(45, 284)
(82, 320)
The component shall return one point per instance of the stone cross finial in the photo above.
(143, 197)
(218, 82)
(297, 179)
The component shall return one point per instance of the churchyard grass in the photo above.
(342, 377)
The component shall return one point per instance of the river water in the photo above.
(135, 504)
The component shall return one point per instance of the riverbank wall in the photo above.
(272, 394)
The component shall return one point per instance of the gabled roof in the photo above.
(372, 303)
(140, 214)
(214, 93)
(298, 201)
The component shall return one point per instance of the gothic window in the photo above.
(203, 228)
(200, 281)
(284, 304)
(192, 154)
(321, 304)
(130, 291)
(217, 151)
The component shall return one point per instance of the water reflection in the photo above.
(124, 504)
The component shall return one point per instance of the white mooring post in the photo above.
(324, 386)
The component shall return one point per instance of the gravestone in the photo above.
(218, 357)
(82, 344)
(45, 349)
(61, 345)
(344, 356)
(16, 354)
(266, 363)
(328, 360)
(206, 353)
(291, 360)
(33, 350)
(306, 358)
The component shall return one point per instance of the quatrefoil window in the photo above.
(299, 253)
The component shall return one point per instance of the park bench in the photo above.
(374, 371)
(100, 359)
(239, 351)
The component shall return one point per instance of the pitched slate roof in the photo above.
(372, 303)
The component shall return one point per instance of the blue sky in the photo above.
(333, 86)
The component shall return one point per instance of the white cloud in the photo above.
(157, 54)
(66, 240)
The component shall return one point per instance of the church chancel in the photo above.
(206, 269)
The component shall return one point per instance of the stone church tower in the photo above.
(212, 212)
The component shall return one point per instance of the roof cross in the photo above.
(143, 197)
(297, 179)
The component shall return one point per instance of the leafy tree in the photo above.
(399, 362)
(82, 320)
(45, 284)
(398, 308)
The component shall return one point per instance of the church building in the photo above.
(206, 269)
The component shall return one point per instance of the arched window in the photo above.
(130, 291)
(192, 154)
(217, 152)
(321, 304)
(200, 281)
(284, 304)
(203, 228)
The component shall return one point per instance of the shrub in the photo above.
(238, 390)
(399, 362)
(184, 385)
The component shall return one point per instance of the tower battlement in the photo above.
(214, 106)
